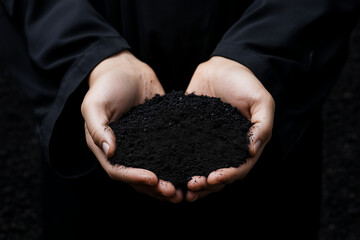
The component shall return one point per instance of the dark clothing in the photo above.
(296, 49)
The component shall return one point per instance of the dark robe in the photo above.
(295, 48)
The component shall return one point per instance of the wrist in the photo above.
(123, 58)
(229, 63)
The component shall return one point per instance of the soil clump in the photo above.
(179, 136)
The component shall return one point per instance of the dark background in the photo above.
(20, 160)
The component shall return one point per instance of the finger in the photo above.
(197, 183)
(131, 175)
(164, 190)
(200, 183)
(179, 195)
(167, 190)
(142, 180)
(98, 152)
(118, 172)
(199, 187)
(192, 196)
(229, 175)
(224, 176)
(262, 117)
(97, 126)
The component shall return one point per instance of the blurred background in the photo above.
(20, 159)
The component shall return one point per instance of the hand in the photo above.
(235, 84)
(116, 85)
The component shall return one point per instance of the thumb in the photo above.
(96, 125)
(262, 116)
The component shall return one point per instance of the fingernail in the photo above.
(257, 145)
(105, 148)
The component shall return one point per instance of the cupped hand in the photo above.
(116, 85)
(235, 84)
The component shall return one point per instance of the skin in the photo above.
(235, 84)
(122, 81)
(115, 85)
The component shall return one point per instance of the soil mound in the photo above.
(179, 136)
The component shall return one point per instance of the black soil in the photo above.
(179, 136)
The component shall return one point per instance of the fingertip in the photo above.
(166, 188)
(149, 178)
(215, 177)
(105, 147)
(197, 183)
(191, 196)
(254, 147)
(178, 197)
(109, 142)
(258, 135)
(222, 176)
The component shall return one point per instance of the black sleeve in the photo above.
(60, 43)
(296, 48)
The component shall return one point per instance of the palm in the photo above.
(116, 85)
(235, 84)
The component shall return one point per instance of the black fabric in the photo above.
(57, 44)
(296, 48)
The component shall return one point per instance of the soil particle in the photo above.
(179, 136)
